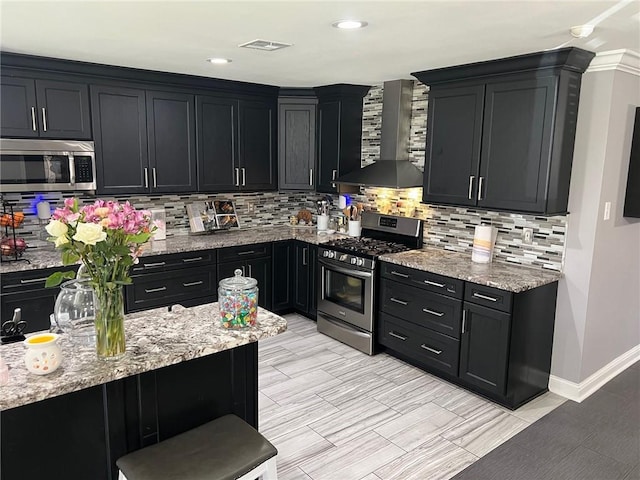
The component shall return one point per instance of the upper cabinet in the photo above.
(44, 108)
(297, 142)
(236, 144)
(339, 132)
(500, 134)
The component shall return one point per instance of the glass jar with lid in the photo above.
(238, 301)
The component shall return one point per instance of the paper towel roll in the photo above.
(483, 240)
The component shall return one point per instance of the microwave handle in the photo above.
(72, 169)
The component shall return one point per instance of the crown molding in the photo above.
(623, 60)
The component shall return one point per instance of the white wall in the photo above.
(598, 311)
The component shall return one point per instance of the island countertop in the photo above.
(155, 339)
(509, 277)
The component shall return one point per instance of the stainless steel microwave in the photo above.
(46, 165)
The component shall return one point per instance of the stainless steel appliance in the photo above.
(348, 277)
(46, 165)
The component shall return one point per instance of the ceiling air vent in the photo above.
(264, 45)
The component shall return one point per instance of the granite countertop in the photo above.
(155, 339)
(46, 256)
(505, 276)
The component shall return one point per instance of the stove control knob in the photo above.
(325, 253)
(353, 261)
(343, 257)
(332, 254)
(360, 262)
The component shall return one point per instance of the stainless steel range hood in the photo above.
(393, 169)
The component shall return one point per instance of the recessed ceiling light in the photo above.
(218, 60)
(349, 24)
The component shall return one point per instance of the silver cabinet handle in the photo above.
(433, 312)
(311, 176)
(146, 177)
(72, 169)
(401, 302)
(484, 297)
(249, 269)
(480, 188)
(32, 280)
(44, 119)
(333, 174)
(194, 259)
(464, 319)
(152, 290)
(155, 179)
(305, 251)
(157, 264)
(246, 252)
(243, 274)
(33, 119)
(471, 186)
(434, 284)
(192, 284)
(237, 177)
(395, 335)
(398, 274)
(432, 350)
(244, 177)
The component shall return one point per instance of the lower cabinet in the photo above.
(491, 341)
(304, 279)
(254, 261)
(283, 268)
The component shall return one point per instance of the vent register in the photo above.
(265, 45)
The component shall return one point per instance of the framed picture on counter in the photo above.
(212, 216)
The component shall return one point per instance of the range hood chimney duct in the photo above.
(393, 169)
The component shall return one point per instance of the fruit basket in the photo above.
(11, 246)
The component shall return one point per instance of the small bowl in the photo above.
(43, 355)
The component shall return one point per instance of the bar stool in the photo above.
(224, 449)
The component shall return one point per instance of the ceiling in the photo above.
(402, 37)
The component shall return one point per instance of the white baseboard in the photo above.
(580, 391)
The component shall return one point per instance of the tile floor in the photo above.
(337, 414)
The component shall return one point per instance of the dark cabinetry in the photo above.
(283, 275)
(26, 290)
(145, 140)
(339, 132)
(500, 134)
(304, 279)
(494, 342)
(44, 108)
(632, 196)
(254, 261)
(236, 144)
(297, 143)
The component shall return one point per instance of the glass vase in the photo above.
(74, 312)
(110, 341)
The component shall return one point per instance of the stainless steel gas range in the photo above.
(348, 277)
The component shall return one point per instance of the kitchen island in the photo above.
(181, 370)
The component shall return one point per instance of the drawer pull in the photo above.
(153, 290)
(434, 284)
(432, 350)
(32, 280)
(401, 302)
(484, 297)
(433, 312)
(399, 337)
(157, 264)
(192, 284)
(195, 259)
(248, 252)
(393, 272)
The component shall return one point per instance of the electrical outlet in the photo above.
(251, 208)
(527, 235)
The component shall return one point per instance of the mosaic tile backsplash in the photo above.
(451, 228)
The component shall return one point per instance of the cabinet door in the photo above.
(283, 274)
(516, 144)
(484, 349)
(217, 143)
(63, 110)
(328, 145)
(36, 306)
(18, 112)
(260, 269)
(453, 145)
(296, 146)
(120, 135)
(258, 168)
(172, 142)
(301, 282)
(313, 272)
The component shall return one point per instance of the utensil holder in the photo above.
(354, 228)
(323, 222)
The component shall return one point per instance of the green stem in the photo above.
(110, 339)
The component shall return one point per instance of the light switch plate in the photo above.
(607, 210)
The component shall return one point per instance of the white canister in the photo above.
(354, 228)
(323, 222)
(43, 353)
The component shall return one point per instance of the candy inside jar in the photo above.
(238, 301)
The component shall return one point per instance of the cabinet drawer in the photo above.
(489, 297)
(429, 281)
(168, 288)
(244, 252)
(161, 263)
(30, 279)
(427, 309)
(421, 344)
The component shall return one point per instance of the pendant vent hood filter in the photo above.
(393, 169)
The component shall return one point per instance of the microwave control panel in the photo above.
(84, 169)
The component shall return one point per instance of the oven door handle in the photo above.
(353, 273)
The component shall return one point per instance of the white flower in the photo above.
(56, 228)
(61, 240)
(90, 233)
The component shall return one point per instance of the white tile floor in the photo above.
(337, 414)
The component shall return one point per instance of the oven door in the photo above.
(346, 294)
